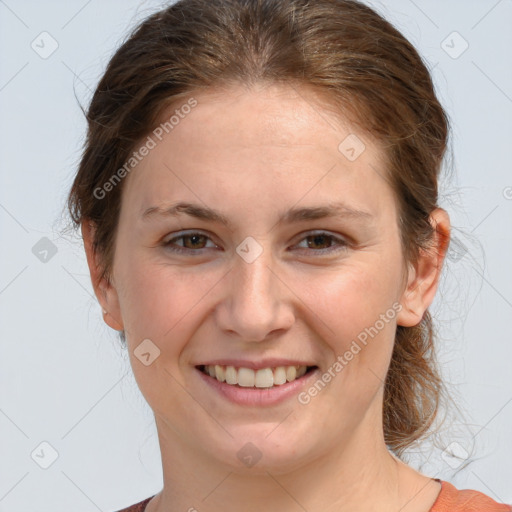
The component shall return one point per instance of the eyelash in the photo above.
(342, 244)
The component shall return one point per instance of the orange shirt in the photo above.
(449, 500)
(452, 500)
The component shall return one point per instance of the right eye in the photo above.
(193, 243)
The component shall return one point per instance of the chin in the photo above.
(259, 450)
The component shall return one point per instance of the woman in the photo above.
(258, 203)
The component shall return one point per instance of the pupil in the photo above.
(318, 238)
(194, 237)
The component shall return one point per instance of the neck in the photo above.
(357, 475)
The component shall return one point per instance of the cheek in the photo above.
(347, 300)
(355, 315)
(164, 304)
(158, 301)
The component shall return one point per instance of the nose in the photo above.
(256, 300)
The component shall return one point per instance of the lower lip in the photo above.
(258, 396)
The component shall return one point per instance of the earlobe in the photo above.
(424, 276)
(111, 321)
(105, 292)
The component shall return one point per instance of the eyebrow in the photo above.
(338, 210)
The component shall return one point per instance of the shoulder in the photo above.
(138, 507)
(451, 499)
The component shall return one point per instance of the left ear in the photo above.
(424, 276)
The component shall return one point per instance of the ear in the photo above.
(424, 277)
(103, 289)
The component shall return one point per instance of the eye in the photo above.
(194, 242)
(324, 239)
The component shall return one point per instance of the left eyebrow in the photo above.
(198, 211)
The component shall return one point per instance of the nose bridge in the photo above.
(256, 286)
(255, 304)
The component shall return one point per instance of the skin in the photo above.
(252, 154)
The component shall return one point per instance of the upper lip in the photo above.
(256, 365)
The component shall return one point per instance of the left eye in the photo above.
(195, 241)
(322, 238)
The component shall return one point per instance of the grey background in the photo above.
(63, 378)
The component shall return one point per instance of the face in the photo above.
(275, 280)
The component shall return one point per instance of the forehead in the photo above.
(266, 114)
(272, 138)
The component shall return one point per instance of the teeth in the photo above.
(231, 375)
(249, 378)
(219, 373)
(246, 377)
(301, 371)
(264, 378)
(280, 375)
(291, 373)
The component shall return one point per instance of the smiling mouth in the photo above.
(249, 378)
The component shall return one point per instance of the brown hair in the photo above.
(339, 48)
